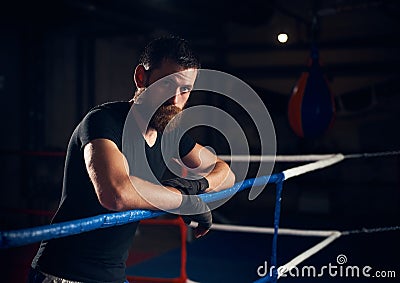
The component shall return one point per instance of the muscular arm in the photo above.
(115, 189)
(203, 162)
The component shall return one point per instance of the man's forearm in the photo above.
(141, 194)
(221, 177)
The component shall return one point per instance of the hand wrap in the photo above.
(192, 208)
(187, 187)
(195, 209)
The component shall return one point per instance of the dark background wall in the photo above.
(57, 60)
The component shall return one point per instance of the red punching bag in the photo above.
(311, 108)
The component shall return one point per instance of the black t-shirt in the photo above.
(100, 255)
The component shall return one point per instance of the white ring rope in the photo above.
(321, 161)
(295, 232)
(273, 158)
(331, 235)
(289, 173)
(300, 158)
(267, 230)
(308, 253)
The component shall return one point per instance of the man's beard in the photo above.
(162, 116)
(165, 114)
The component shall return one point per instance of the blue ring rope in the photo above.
(273, 276)
(27, 236)
(31, 235)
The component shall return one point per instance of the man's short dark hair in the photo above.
(172, 48)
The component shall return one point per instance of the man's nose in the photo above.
(174, 99)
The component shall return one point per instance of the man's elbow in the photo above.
(230, 179)
(111, 196)
(112, 201)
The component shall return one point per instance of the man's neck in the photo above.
(149, 134)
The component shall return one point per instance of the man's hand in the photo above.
(195, 209)
(192, 207)
(186, 186)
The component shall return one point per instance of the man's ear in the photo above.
(139, 76)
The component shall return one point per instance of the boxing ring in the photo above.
(16, 238)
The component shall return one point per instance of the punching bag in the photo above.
(311, 108)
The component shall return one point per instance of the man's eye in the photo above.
(185, 89)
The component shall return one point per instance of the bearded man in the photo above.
(116, 159)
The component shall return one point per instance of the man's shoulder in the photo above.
(117, 110)
(112, 106)
(103, 121)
